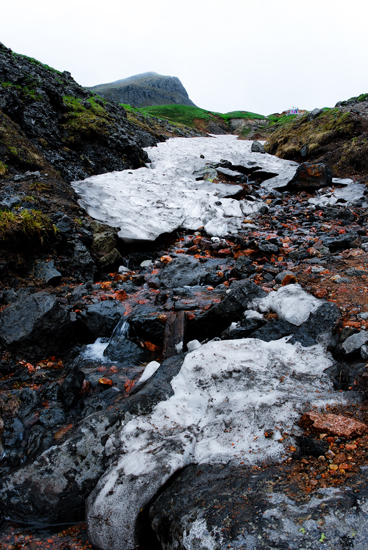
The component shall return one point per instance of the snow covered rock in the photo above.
(224, 396)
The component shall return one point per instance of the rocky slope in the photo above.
(145, 89)
(338, 137)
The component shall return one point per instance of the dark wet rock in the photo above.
(39, 440)
(37, 323)
(148, 328)
(314, 114)
(310, 176)
(65, 225)
(214, 321)
(320, 323)
(47, 272)
(266, 246)
(182, 271)
(356, 272)
(111, 260)
(274, 330)
(308, 446)
(340, 242)
(52, 417)
(243, 329)
(100, 319)
(71, 387)
(82, 261)
(121, 349)
(228, 507)
(257, 147)
(54, 487)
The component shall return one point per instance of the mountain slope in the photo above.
(144, 90)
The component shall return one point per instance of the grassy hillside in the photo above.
(188, 115)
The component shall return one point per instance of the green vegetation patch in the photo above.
(184, 114)
(26, 91)
(240, 114)
(32, 223)
(86, 117)
(287, 141)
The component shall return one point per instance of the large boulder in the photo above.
(37, 323)
(182, 271)
(310, 176)
(219, 507)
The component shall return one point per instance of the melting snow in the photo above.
(226, 395)
(147, 202)
(291, 303)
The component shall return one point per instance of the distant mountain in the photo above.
(145, 90)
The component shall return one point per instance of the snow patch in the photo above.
(291, 303)
(147, 202)
(226, 395)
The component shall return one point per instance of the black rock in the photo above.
(121, 349)
(213, 322)
(47, 272)
(182, 271)
(309, 176)
(71, 387)
(37, 323)
(100, 319)
(340, 242)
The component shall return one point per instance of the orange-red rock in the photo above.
(335, 424)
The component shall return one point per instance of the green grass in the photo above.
(80, 119)
(32, 223)
(240, 114)
(26, 90)
(281, 120)
(187, 114)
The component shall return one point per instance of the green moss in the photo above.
(32, 223)
(26, 91)
(82, 120)
(287, 141)
(3, 169)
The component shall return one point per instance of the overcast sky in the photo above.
(263, 56)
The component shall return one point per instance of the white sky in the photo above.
(263, 56)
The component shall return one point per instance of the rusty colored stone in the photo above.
(289, 280)
(166, 259)
(320, 293)
(335, 424)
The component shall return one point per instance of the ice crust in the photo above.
(349, 194)
(291, 303)
(226, 395)
(158, 199)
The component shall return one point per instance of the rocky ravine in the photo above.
(273, 307)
